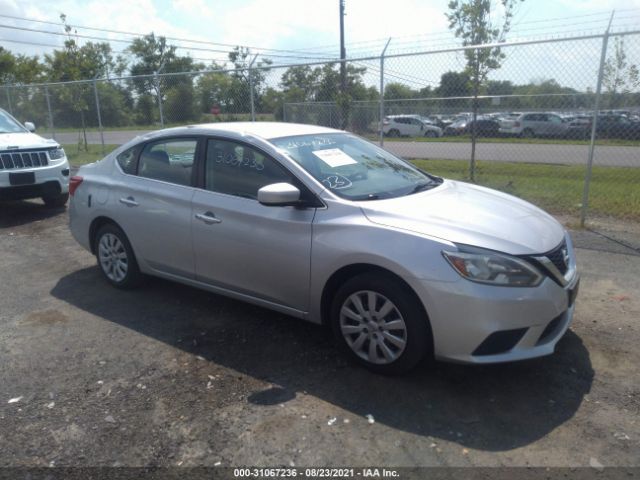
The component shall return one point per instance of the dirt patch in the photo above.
(45, 317)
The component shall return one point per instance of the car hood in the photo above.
(24, 140)
(472, 215)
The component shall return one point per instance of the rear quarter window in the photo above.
(127, 160)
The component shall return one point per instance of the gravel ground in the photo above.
(170, 375)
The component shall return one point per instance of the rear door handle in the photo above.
(129, 201)
(208, 217)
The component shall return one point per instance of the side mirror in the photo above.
(30, 126)
(279, 195)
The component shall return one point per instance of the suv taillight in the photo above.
(74, 183)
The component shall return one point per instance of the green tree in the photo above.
(180, 104)
(150, 55)
(300, 83)
(398, 91)
(273, 101)
(619, 75)
(21, 70)
(453, 85)
(473, 21)
(243, 77)
(212, 90)
(75, 63)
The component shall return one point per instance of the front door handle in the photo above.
(129, 201)
(208, 218)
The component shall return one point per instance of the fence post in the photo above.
(382, 92)
(51, 127)
(156, 80)
(6, 88)
(253, 106)
(95, 92)
(594, 124)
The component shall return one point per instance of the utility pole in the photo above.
(343, 71)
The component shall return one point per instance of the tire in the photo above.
(411, 330)
(56, 201)
(115, 257)
(430, 134)
(528, 133)
(393, 133)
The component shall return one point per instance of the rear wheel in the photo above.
(430, 134)
(56, 201)
(528, 133)
(379, 324)
(393, 133)
(115, 257)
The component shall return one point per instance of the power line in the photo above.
(138, 34)
(117, 52)
(379, 42)
(92, 37)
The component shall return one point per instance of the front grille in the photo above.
(17, 160)
(557, 257)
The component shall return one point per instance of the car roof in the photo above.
(265, 130)
(408, 115)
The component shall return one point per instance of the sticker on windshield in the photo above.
(334, 157)
(337, 182)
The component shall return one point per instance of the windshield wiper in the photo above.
(421, 187)
(433, 178)
(371, 196)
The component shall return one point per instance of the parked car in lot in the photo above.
(534, 125)
(31, 166)
(486, 127)
(617, 126)
(579, 126)
(399, 263)
(409, 126)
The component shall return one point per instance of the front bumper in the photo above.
(476, 323)
(50, 180)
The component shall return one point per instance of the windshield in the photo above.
(8, 124)
(353, 168)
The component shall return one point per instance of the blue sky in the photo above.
(291, 24)
(313, 25)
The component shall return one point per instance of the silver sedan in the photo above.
(324, 226)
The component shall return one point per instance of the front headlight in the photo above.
(56, 153)
(484, 266)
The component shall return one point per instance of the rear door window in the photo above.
(168, 160)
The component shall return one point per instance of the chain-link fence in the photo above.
(557, 122)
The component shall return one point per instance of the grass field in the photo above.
(615, 191)
(80, 157)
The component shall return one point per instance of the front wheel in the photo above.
(115, 257)
(393, 133)
(430, 134)
(380, 325)
(528, 133)
(56, 201)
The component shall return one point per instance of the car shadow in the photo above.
(22, 212)
(491, 408)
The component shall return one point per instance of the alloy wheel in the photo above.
(113, 257)
(373, 327)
